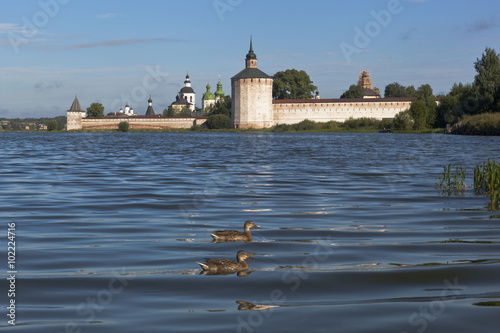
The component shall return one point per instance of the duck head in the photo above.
(243, 255)
(250, 224)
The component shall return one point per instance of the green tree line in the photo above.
(33, 124)
(464, 100)
(476, 98)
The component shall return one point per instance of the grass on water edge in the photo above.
(486, 181)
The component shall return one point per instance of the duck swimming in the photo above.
(235, 236)
(226, 266)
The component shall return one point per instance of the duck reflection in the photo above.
(225, 236)
(239, 274)
(226, 266)
(245, 306)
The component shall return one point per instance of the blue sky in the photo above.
(114, 52)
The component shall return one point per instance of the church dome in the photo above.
(187, 90)
(251, 55)
(187, 83)
(208, 95)
(219, 93)
(187, 86)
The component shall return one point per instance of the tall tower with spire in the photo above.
(252, 95)
(251, 61)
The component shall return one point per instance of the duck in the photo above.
(235, 236)
(226, 266)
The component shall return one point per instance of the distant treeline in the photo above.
(32, 124)
(474, 108)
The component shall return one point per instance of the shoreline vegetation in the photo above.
(265, 130)
(481, 124)
(487, 124)
(484, 124)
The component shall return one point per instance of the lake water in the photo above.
(354, 236)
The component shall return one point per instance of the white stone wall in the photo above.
(137, 123)
(74, 120)
(253, 107)
(293, 112)
(252, 103)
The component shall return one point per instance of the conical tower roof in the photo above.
(76, 107)
(251, 72)
(150, 111)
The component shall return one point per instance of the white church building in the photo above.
(186, 97)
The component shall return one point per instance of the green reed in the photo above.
(487, 181)
(452, 181)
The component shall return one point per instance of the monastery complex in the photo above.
(253, 106)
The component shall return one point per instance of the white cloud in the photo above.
(24, 31)
(118, 42)
(6, 28)
(48, 85)
(36, 73)
(17, 36)
(106, 16)
(109, 43)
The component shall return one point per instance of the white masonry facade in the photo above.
(254, 107)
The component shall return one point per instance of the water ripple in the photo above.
(354, 237)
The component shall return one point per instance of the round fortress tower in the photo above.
(252, 96)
